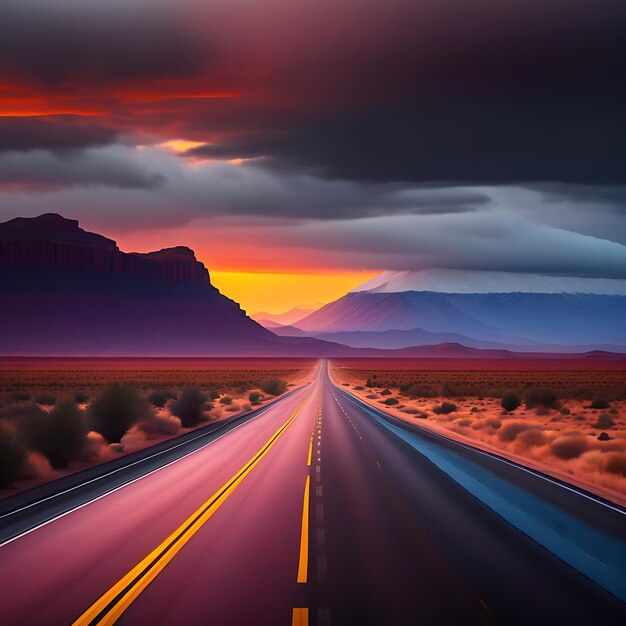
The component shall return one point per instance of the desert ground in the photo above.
(570, 423)
(48, 407)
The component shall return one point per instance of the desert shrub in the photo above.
(80, 397)
(274, 386)
(511, 430)
(390, 401)
(160, 397)
(226, 400)
(116, 409)
(421, 391)
(616, 464)
(254, 397)
(189, 407)
(465, 422)
(604, 421)
(60, 435)
(370, 383)
(568, 446)
(510, 401)
(565, 411)
(599, 403)
(604, 437)
(359, 388)
(385, 392)
(444, 408)
(46, 399)
(541, 397)
(532, 437)
(371, 396)
(214, 395)
(12, 456)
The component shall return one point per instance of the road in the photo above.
(311, 512)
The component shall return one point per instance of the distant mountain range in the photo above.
(68, 292)
(374, 314)
(270, 320)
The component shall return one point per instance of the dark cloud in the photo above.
(436, 91)
(611, 197)
(487, 142)
(73, 44)
(42, 170)
(57, 134)
(450, 92)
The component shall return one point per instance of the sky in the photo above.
(301, 147)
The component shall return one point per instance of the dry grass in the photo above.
(569, 439)
(239, 381)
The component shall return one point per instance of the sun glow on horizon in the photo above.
(275, 293)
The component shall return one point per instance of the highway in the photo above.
(312, 511)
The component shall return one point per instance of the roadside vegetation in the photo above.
(570, 423)
(52, 422)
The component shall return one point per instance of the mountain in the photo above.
(66, 291)
(270, 320)
(554, 314)
(396, 339)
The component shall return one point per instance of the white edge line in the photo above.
(130, 482)
(147, 458)
(356, 400)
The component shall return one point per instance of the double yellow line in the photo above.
(110, 606)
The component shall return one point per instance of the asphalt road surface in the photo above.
(308, 512)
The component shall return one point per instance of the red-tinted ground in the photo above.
(604, 362)
(571, 439)
(232, 386)
(153, 363)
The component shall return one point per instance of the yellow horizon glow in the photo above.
(274, 292)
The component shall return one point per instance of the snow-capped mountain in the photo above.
(508, 308)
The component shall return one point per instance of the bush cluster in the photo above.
(510, 401)
(274, 386)
(538, 397)
(189, 407)
(116, 409)
(444, 408)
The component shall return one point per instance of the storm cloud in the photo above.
(383, 134)
(58, 134)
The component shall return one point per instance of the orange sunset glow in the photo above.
(247, 268)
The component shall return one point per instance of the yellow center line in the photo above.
(303, 564)
(300, 617)
(110, 606)
(308, 462)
